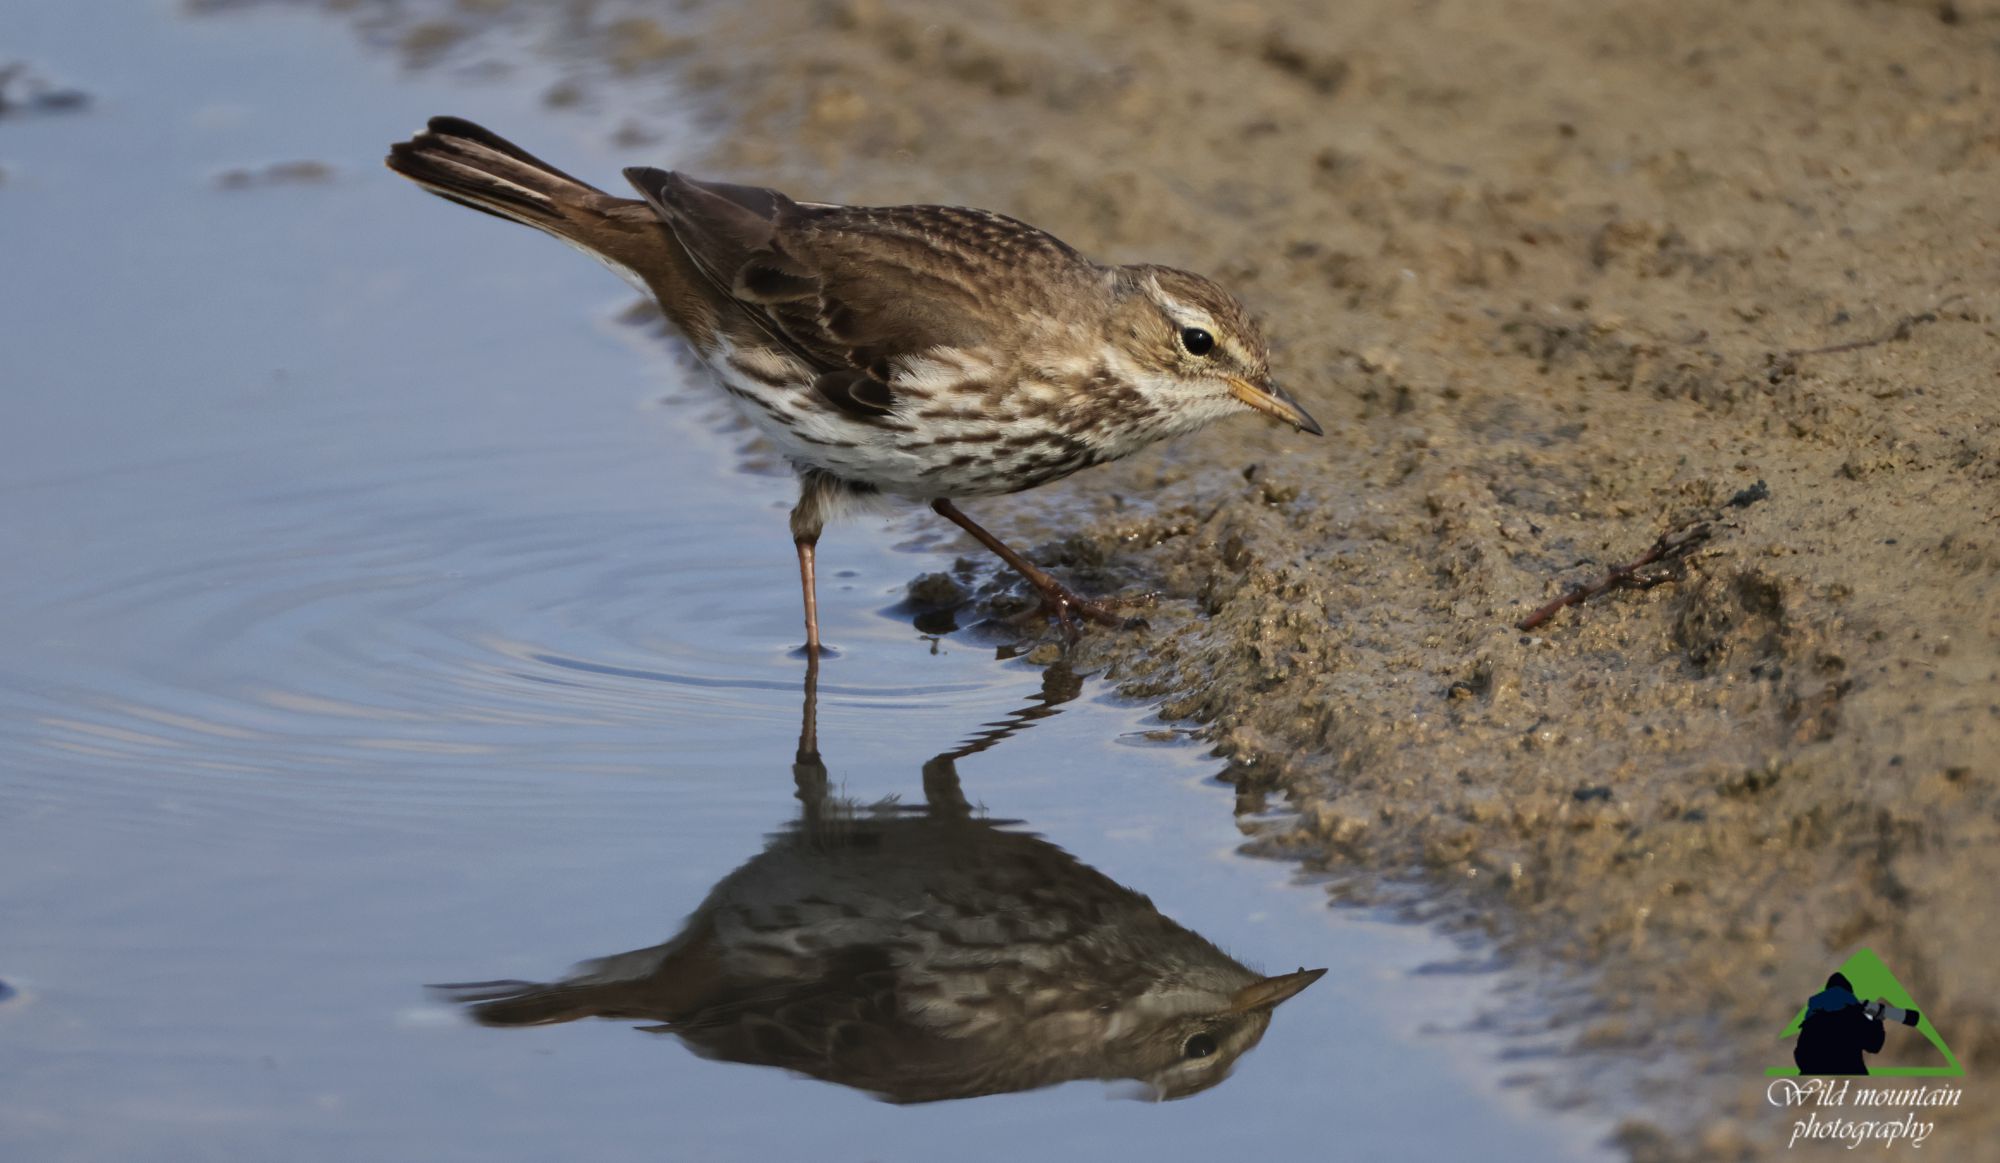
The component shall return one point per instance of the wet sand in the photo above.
(1558, 278)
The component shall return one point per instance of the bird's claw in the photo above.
(1067, 606)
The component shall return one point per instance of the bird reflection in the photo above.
(924, 953)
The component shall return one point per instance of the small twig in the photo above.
(1895, 334)
(1670, 546)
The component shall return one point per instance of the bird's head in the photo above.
(1193, 351)
(1185, 1036)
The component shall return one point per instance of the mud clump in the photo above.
(1739, 617)
(937, 591)
(26, 92)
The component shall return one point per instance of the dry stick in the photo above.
(1670, 546)
(1895, 334)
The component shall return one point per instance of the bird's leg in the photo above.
(807, 584)
(1057, 598)
(808, 518)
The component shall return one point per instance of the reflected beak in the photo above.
(1262, 995)
(1275, 402)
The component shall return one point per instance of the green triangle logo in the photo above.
(1872, 979)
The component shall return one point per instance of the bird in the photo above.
(923, 953)
(925, 352)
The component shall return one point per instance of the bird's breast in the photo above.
(959, 425)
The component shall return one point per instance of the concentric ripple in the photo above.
(370, 655)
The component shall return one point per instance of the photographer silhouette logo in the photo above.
(1850, 1017)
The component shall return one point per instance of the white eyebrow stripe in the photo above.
(1188, 314)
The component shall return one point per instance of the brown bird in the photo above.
(924, 954)
(925, 352)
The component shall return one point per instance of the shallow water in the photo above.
(375, 610)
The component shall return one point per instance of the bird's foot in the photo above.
(1068, 608)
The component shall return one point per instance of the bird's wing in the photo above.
(854, 290)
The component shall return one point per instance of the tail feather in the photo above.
(517, 1003)
(460, 128)
(475, 167)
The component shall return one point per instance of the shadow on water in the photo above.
(924, 953)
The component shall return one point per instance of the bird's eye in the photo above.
(1197, 341)
(1198, 1046)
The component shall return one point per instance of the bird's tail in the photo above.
(518, 1003)
(473, 166)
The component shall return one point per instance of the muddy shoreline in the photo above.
(1555, 277)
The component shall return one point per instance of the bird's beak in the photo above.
(1262, 995)
(1275, 402)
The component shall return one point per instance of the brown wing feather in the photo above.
(851, 290)
(719, 225)
(896, 281)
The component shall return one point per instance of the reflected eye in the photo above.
(1197, 341)
(1198, 1046)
